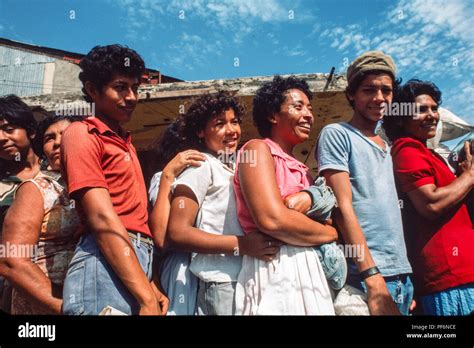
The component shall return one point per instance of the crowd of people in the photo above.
(229, 228)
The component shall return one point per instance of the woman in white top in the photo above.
(203, 217)
(172, 270)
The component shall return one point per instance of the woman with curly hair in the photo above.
(292, 282)
(203, 218)
(175, 278)
(438, 228)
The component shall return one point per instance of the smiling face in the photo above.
(13, 141)
(52, 141)
(370, 98)
(294, 121)
(423, 125)
(222, 133)
(117, 100)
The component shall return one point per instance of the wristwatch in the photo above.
(369, 272)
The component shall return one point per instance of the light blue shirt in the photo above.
(374, 196)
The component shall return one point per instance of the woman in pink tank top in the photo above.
(293, 282)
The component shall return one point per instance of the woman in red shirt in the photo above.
(438, 228)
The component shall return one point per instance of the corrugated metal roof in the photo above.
(22, 72)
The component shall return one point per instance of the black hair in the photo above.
(18, 113)
(394, 126)
(43, 126)
(169, 144)
(269, 98)
(351, 88)
(204, 109)
(102, 63)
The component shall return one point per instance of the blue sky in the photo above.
(201, 40)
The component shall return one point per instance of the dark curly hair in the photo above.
(204, 109)
(352, 88)
(17, 112)
(43, 126)
(169, 144)
(394, 126)
(269, 98)
(102, 63)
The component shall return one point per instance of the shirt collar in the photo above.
(94, 123)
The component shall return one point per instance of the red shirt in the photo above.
(92, 155)
(441, 250)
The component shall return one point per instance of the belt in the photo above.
(141, 238)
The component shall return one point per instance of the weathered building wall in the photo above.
(66, 77)
(21, 72)
(25, 73)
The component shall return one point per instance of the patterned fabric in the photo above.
(58, 237)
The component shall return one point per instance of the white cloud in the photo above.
(429, 35)
(296, 51)
(429, 39)
(191, 51)
(453, 18)
(238, 18)
(461, 99)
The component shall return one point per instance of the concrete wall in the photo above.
(66, 77)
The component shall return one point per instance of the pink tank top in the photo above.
(291, 176)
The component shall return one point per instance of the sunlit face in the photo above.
(52, 141)
(423, 125)
(222, 133)
(372, 96)
(118, 98)
(14, 141)
(295, 119)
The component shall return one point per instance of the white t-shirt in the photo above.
(154, 187)
(212, 186)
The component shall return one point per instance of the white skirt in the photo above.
(292, 284)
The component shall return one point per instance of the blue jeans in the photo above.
(454, 301)
(179, 283)
(216, 298)
(91, 284)
(399, 286)
(333, 263)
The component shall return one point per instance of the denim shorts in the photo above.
(91, 284)
(454, 301)
(216, 298)
(333, 263)
(399, 286)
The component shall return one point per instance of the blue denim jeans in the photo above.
(454, 301)
(399, 286)
(91, 284)
(333, 263)
(216, 298)
(331, 257)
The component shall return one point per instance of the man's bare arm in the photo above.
(114, 243)
(379, 299)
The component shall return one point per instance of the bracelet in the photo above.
(369, 272)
